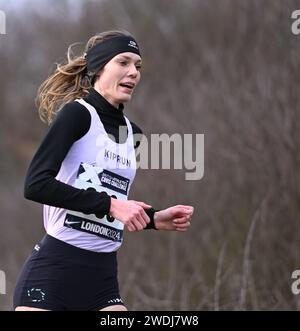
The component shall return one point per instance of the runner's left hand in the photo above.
(175, 218)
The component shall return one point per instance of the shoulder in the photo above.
(137, 134)
(74, 110)
(135, 128)
(74, 119)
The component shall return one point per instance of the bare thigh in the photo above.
(24, 308)
(115, 308)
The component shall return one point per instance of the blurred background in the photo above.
(226, 68)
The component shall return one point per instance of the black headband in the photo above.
(103, 52)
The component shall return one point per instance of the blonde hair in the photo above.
(69, 81)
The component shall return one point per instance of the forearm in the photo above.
(52, 192)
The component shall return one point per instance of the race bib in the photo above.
(91, 177)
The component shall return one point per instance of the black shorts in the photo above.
(59, 276)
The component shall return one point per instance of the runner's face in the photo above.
(119, 77)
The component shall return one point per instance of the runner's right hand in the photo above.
(131, 213)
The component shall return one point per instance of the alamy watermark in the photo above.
(2, 22)
(161, 151)
(2, 282)
(296, 283)
(295, 27)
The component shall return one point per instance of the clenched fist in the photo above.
(131, 213)
(177, 218)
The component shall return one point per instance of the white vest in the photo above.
(95, 162)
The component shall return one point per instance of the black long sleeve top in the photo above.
(72, 123)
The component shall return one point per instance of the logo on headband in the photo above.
(133, 44)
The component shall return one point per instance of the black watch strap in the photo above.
(150, 212)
